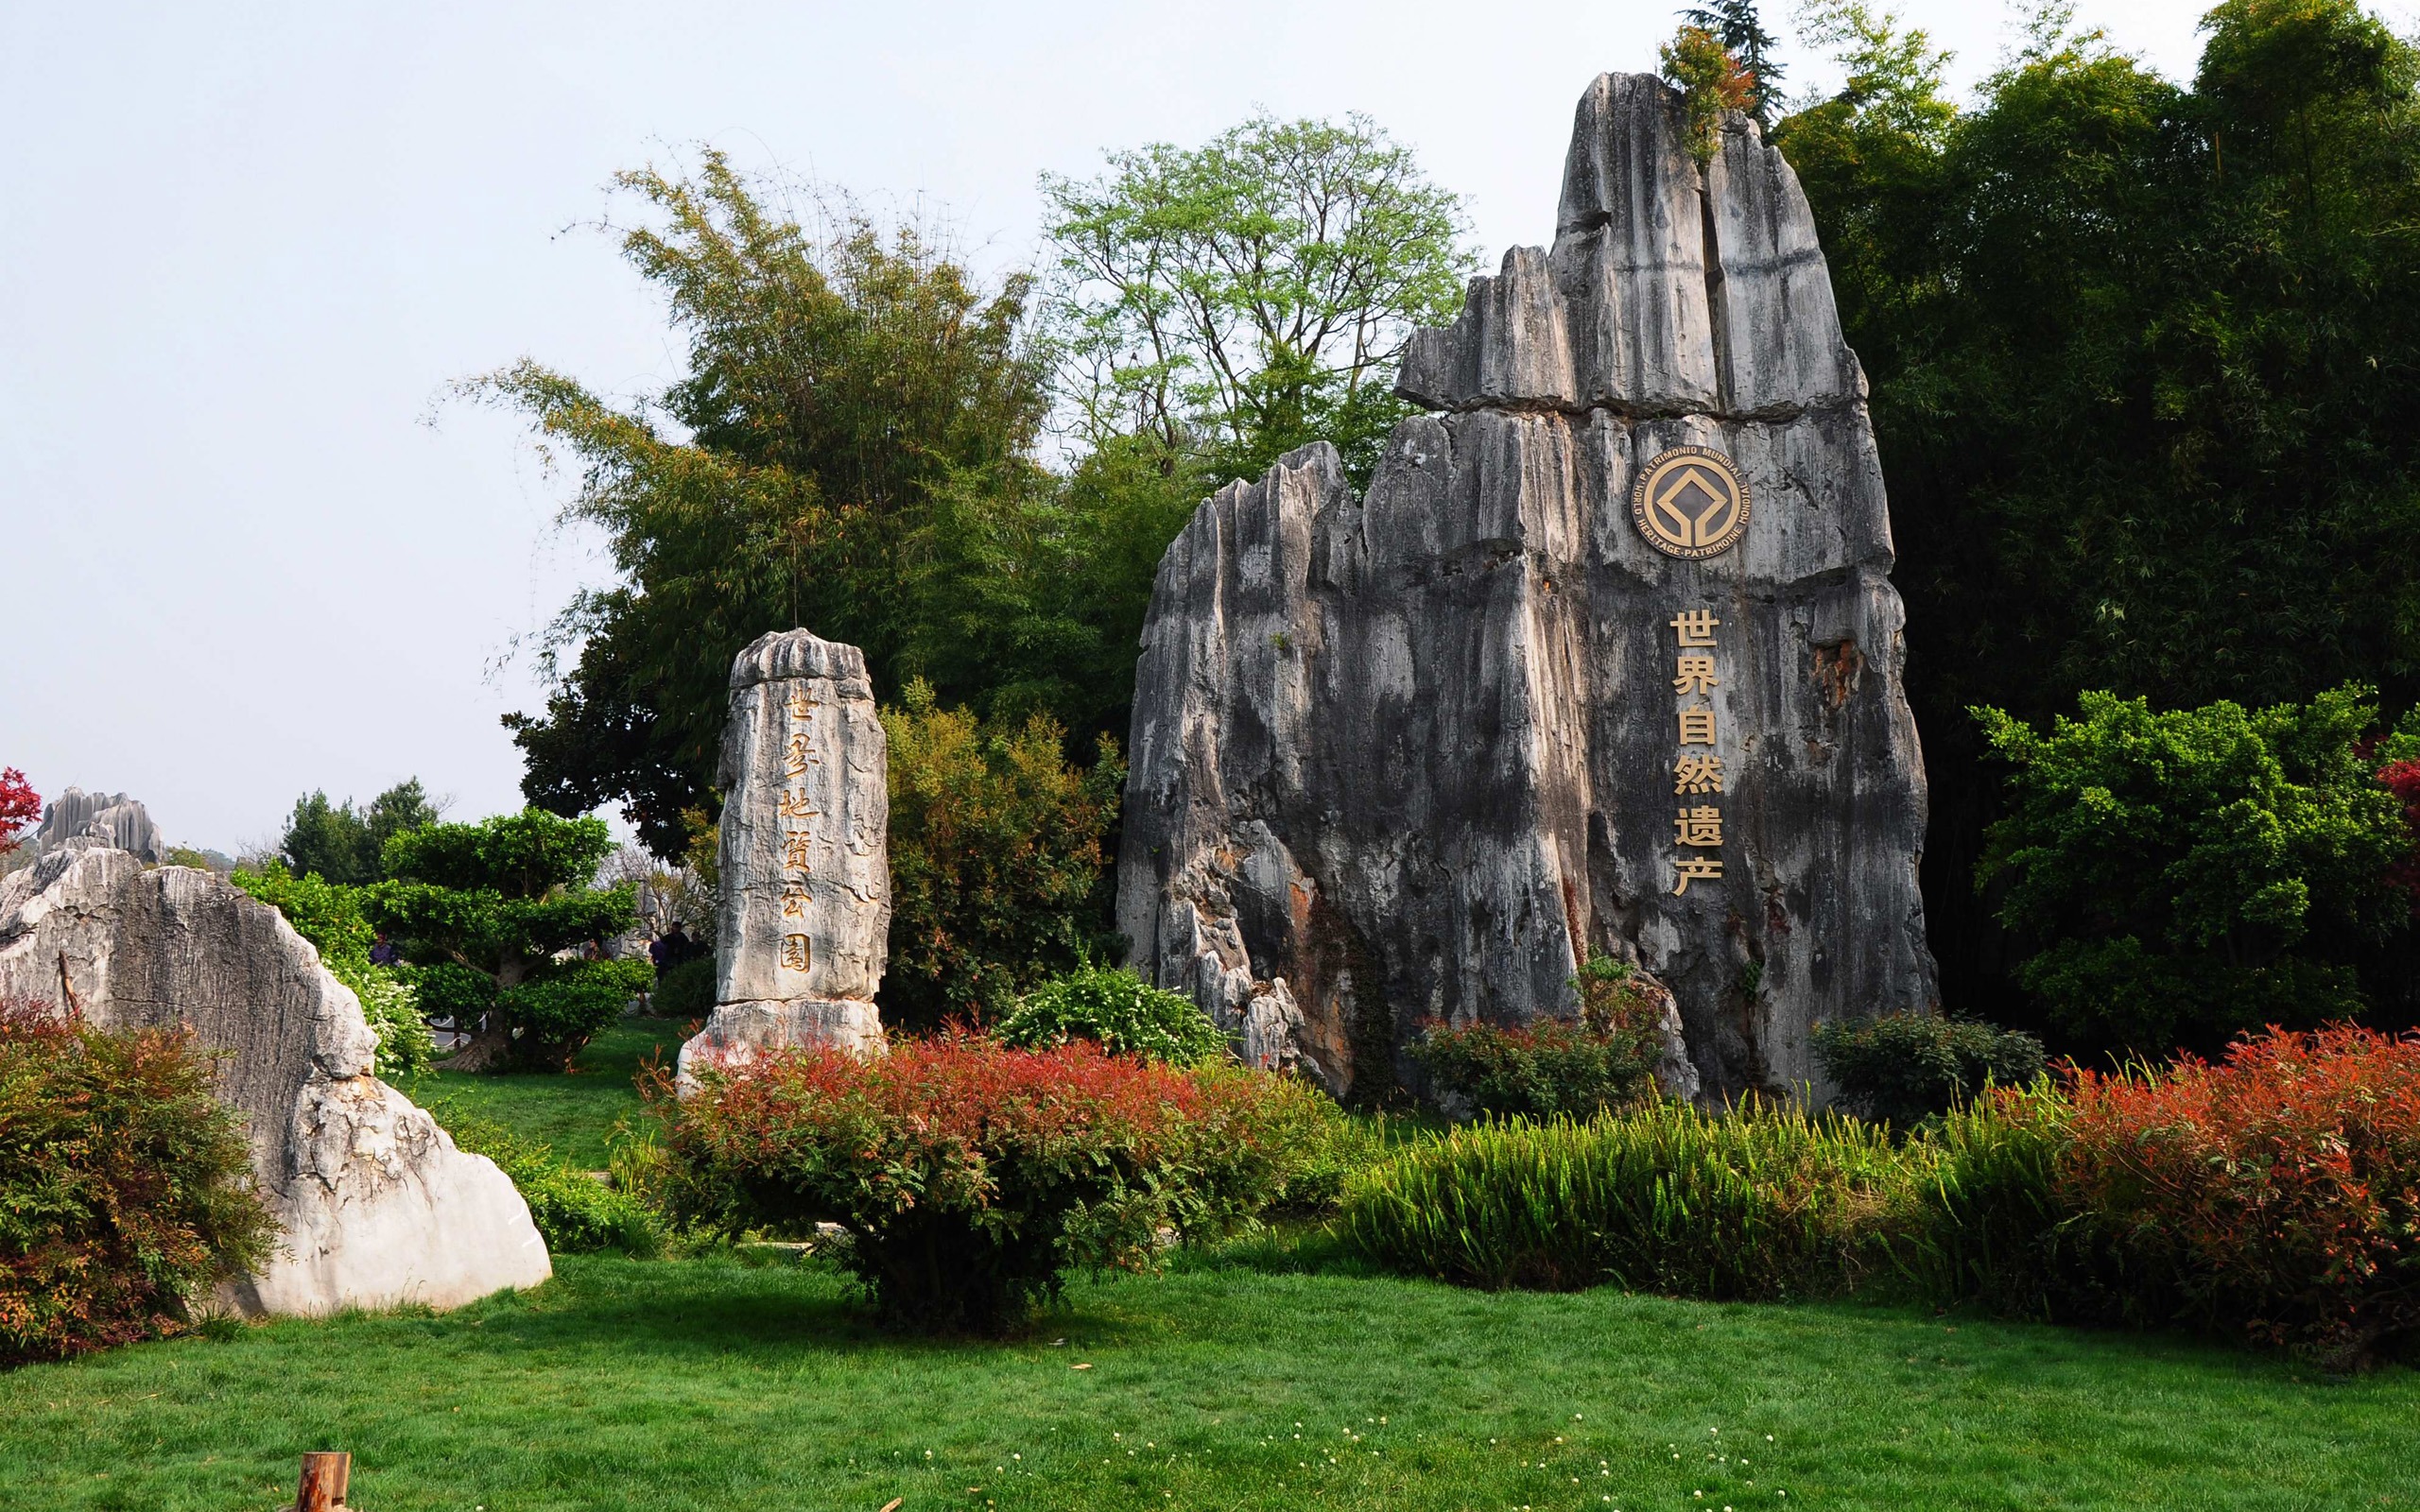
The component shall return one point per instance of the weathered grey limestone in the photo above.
(804, 916)
(1412, 756)
(377, 1205)
(113, 817)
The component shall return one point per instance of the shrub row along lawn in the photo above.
(712, 1385)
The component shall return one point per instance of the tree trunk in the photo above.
(488, 1048)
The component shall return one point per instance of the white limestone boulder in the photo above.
(375, 1205)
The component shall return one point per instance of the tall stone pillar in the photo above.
(1607, 658)
(805, 909)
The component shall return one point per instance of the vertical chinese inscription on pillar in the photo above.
(1697, 771)
(795, 811)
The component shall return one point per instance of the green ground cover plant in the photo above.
(1903, 1068)
(699, 1385)
(1117, 1010)
(1604, 1058)
(1763, 1202)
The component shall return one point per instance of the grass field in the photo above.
(574, 1113)
(712, 1385)
(718, 1383)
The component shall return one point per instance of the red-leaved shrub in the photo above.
(2402, 779)
(969, 1174)
(2275, 1195)
(125, 1188)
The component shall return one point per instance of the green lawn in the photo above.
(711, 1385)
(574, 1113)
(719, 1385)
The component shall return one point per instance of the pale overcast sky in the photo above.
(247, 245)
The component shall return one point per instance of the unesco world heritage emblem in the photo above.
(1690, 503)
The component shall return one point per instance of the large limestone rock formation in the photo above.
(803, 922)
(1412, 756)
(111, 817)
(376, 1205)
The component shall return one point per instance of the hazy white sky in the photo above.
(245, 247)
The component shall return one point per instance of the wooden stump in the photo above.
(323, 1486)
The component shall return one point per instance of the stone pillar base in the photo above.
(739, 1031)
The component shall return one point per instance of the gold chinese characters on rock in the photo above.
(1698, 769)
(798, 837)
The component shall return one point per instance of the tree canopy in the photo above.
(1245, 297)
(2142, 373)
(333, 842)
(481, 910)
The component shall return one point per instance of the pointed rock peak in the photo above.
(1670, 289)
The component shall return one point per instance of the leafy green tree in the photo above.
(492, 915)
(2142, 377)
(837, 382)
(331, 841)
(998, 877)
(1233, 301)
(2182, 877)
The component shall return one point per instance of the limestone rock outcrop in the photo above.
(804, 915)
(112, 818)
(1414, 756)
(375, 1204)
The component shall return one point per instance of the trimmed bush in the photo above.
(1905, 1068)
(1550, 1069)
(971, 1175)
(685, 992)
(1761, 1202)
(1116, 1010)
(125, 1188)
(2274, 1196)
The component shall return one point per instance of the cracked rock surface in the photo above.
(375, 1204)
(1411, 756)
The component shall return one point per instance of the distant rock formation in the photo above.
(1608, 660)
(377, 1205)
(804, 916)
(112, 818)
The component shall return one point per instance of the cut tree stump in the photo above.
(323, 1486)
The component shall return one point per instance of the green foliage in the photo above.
(481, 910)
(686, 991)
(330, 916)
(838, 382)
(1116, 1010)
(2184, 876)
(996, 866)
(1903, 1068)
(1236, 300)
(1759, 1202)
(333, 842)
(1606, 1059)
(2138, 361)
(125, 1188)
(575, 1213)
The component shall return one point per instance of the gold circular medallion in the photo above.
(1690, 503)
